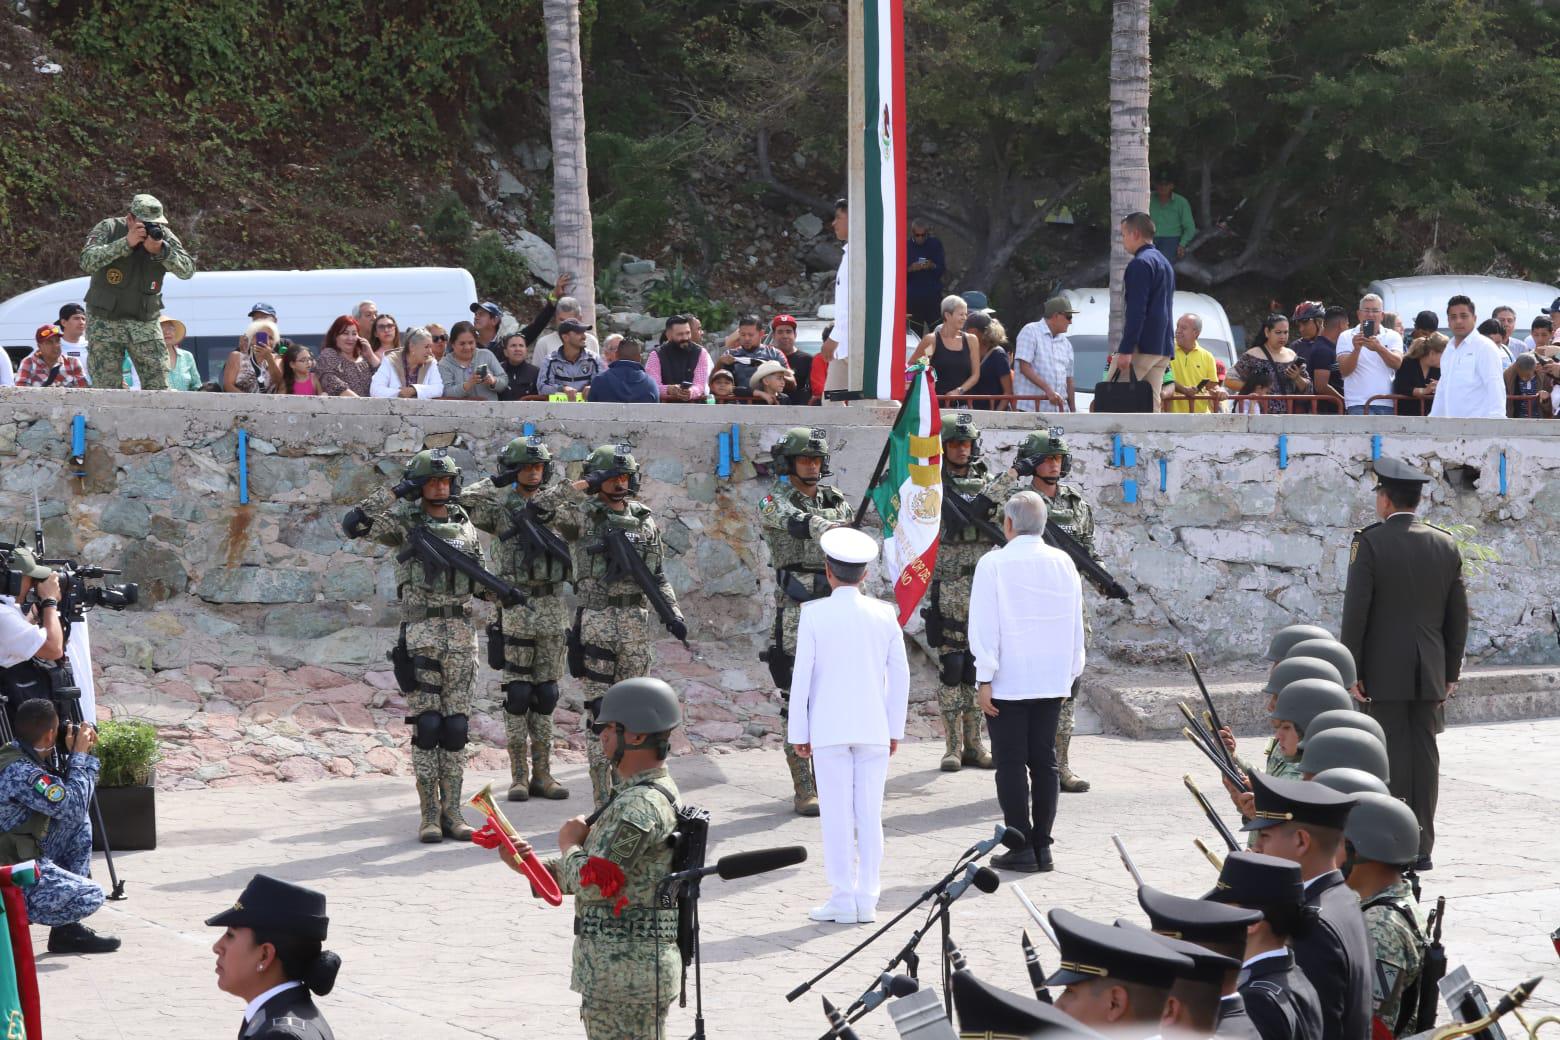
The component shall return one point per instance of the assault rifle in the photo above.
(623, 561)
(440, 557)
(1087, 565)
(957, 513)
(535, 536)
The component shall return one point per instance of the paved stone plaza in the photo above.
(442, 941)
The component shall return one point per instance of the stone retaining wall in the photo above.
(260, 644)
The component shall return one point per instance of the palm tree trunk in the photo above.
(1128, 136)
(572, 234)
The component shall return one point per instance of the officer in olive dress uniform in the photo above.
(1045, 458)
(612, 637)
(626, 960)
(1383, 836)
(127, 258)
(1218, 928)
(438, 639)
(1303, 821)
(527, 643)
(969, 477)
(1281, 1002)
(1117, 979)
(272, 955)
(1405, 619)
(794, 515)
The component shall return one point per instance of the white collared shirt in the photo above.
(1473, 384)
(259, 1002)
(841, 333)
(20, 639)
(851, 682)
(1371, 376)
(1281, 952)
(1026, 621)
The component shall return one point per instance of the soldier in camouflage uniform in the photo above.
(968, 476)
(611, 637)
(1384, 835)
(438, 639)
(528, 640)
(1044, 458)
(128, 258)
(794, 515)
(626, 962)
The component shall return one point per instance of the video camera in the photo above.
(77, 597)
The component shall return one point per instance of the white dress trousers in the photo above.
(850, 805)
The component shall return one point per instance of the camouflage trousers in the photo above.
(625, 1022)
(534, 648)
(958, 703)
(65, 892)
(617, 641)
(112, 340)
(803, 783)
(448, 690)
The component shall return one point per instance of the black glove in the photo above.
(505, 477)
(679, 628)
(406, 489)
(798, 527)
(593, 481)
(1025, 467)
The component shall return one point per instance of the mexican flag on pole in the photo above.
(907, 492)
(20, 1015)
(883, 356)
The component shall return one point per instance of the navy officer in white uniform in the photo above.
(849, 696)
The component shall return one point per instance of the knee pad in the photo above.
(426, 727)
(544, 698)
(518, 696)
(452, 735)
(953, 667)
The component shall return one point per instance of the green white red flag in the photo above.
(883, 252)
(20, 1013)
(908, 494)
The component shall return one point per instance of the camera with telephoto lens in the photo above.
(77, 597)
(155, 231)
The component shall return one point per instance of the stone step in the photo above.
(1142, 705)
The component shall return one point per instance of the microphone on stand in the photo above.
(887, 986)
(983, 878)
(743, 864)
(1008, 837)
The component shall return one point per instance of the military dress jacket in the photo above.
(1336, 957)
(290, 1015)
(1281, 1002)
(1405, 610)
(1233, 1020)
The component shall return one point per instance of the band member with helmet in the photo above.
(795, 514)
(1045, 458)
(436, 656)
(626, 960)
(527, 642)
(619, 575)
(1383, 838)
(968, 533)
(272, 955)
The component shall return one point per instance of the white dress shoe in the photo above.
(831, 913)
(865, 914)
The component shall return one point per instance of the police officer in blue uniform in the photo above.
(272, 955)
(43, 816)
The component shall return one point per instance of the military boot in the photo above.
(519, 758)
(953, 758)
(425, 765)
(975, 753)
(1071, 782)
(542, 783)
(454, 824)
(805, 790)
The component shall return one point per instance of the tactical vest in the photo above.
(519, 564)
(24, 841)
(636, 522)
(967, 487)
(130, 288)
(804, 554)
(455, 530)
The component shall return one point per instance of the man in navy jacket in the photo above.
(1148, 332)
(625, 381)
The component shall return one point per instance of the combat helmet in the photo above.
(1302, 700)
(1346, 780)
(614, 460)
(1383, 829)
(1043, 443)
(1289, 635)
(1329, 650)
(525, 451)
(430, 463)
(960, 426)
(1292, 668)
(641, 705)
(1345, 718)
(1344, 748)
(800, 442)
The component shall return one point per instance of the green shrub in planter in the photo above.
(127, 749)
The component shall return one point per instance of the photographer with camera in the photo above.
(470, 372)
(21, 639)
(128, 257)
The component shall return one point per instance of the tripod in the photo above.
(70, 697)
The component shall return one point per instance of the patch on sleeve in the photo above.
(627, 841)
(47, 786)
(1354, 548)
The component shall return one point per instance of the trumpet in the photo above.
(542, 882)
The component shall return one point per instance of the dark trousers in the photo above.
(1413, 758)
(1023, 742)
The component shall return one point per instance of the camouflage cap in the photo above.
(147, 209)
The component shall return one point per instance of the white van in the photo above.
(1406, 297)
(214, 305)
(1090, 334)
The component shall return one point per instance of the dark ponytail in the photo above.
(1268, 324)
(304, 960)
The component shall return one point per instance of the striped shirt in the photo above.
(1051, 355)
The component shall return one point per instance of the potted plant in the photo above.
(128, 751)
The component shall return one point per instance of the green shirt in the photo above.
(184, 376)
(1172, 219)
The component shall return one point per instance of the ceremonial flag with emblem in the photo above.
(883, 147)
(19, 1008)
(907, 492)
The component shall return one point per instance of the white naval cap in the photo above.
(848, 545)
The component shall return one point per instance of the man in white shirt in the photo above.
(837, 347)
(1473, 383)
(1368, 362)
(850, 690)
(1026, 632)
(20, 639)
(1043, 358)
(73, 334)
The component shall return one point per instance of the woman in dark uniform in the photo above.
(271, 956)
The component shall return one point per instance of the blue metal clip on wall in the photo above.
(1502, 473)
(723, 467)
(243, 468)
(1283, 451)
(736, 443)
(1375, 447)
(78, 444)
(528, 430)
(1164, 476)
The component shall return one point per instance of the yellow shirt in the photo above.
(1190, 367)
